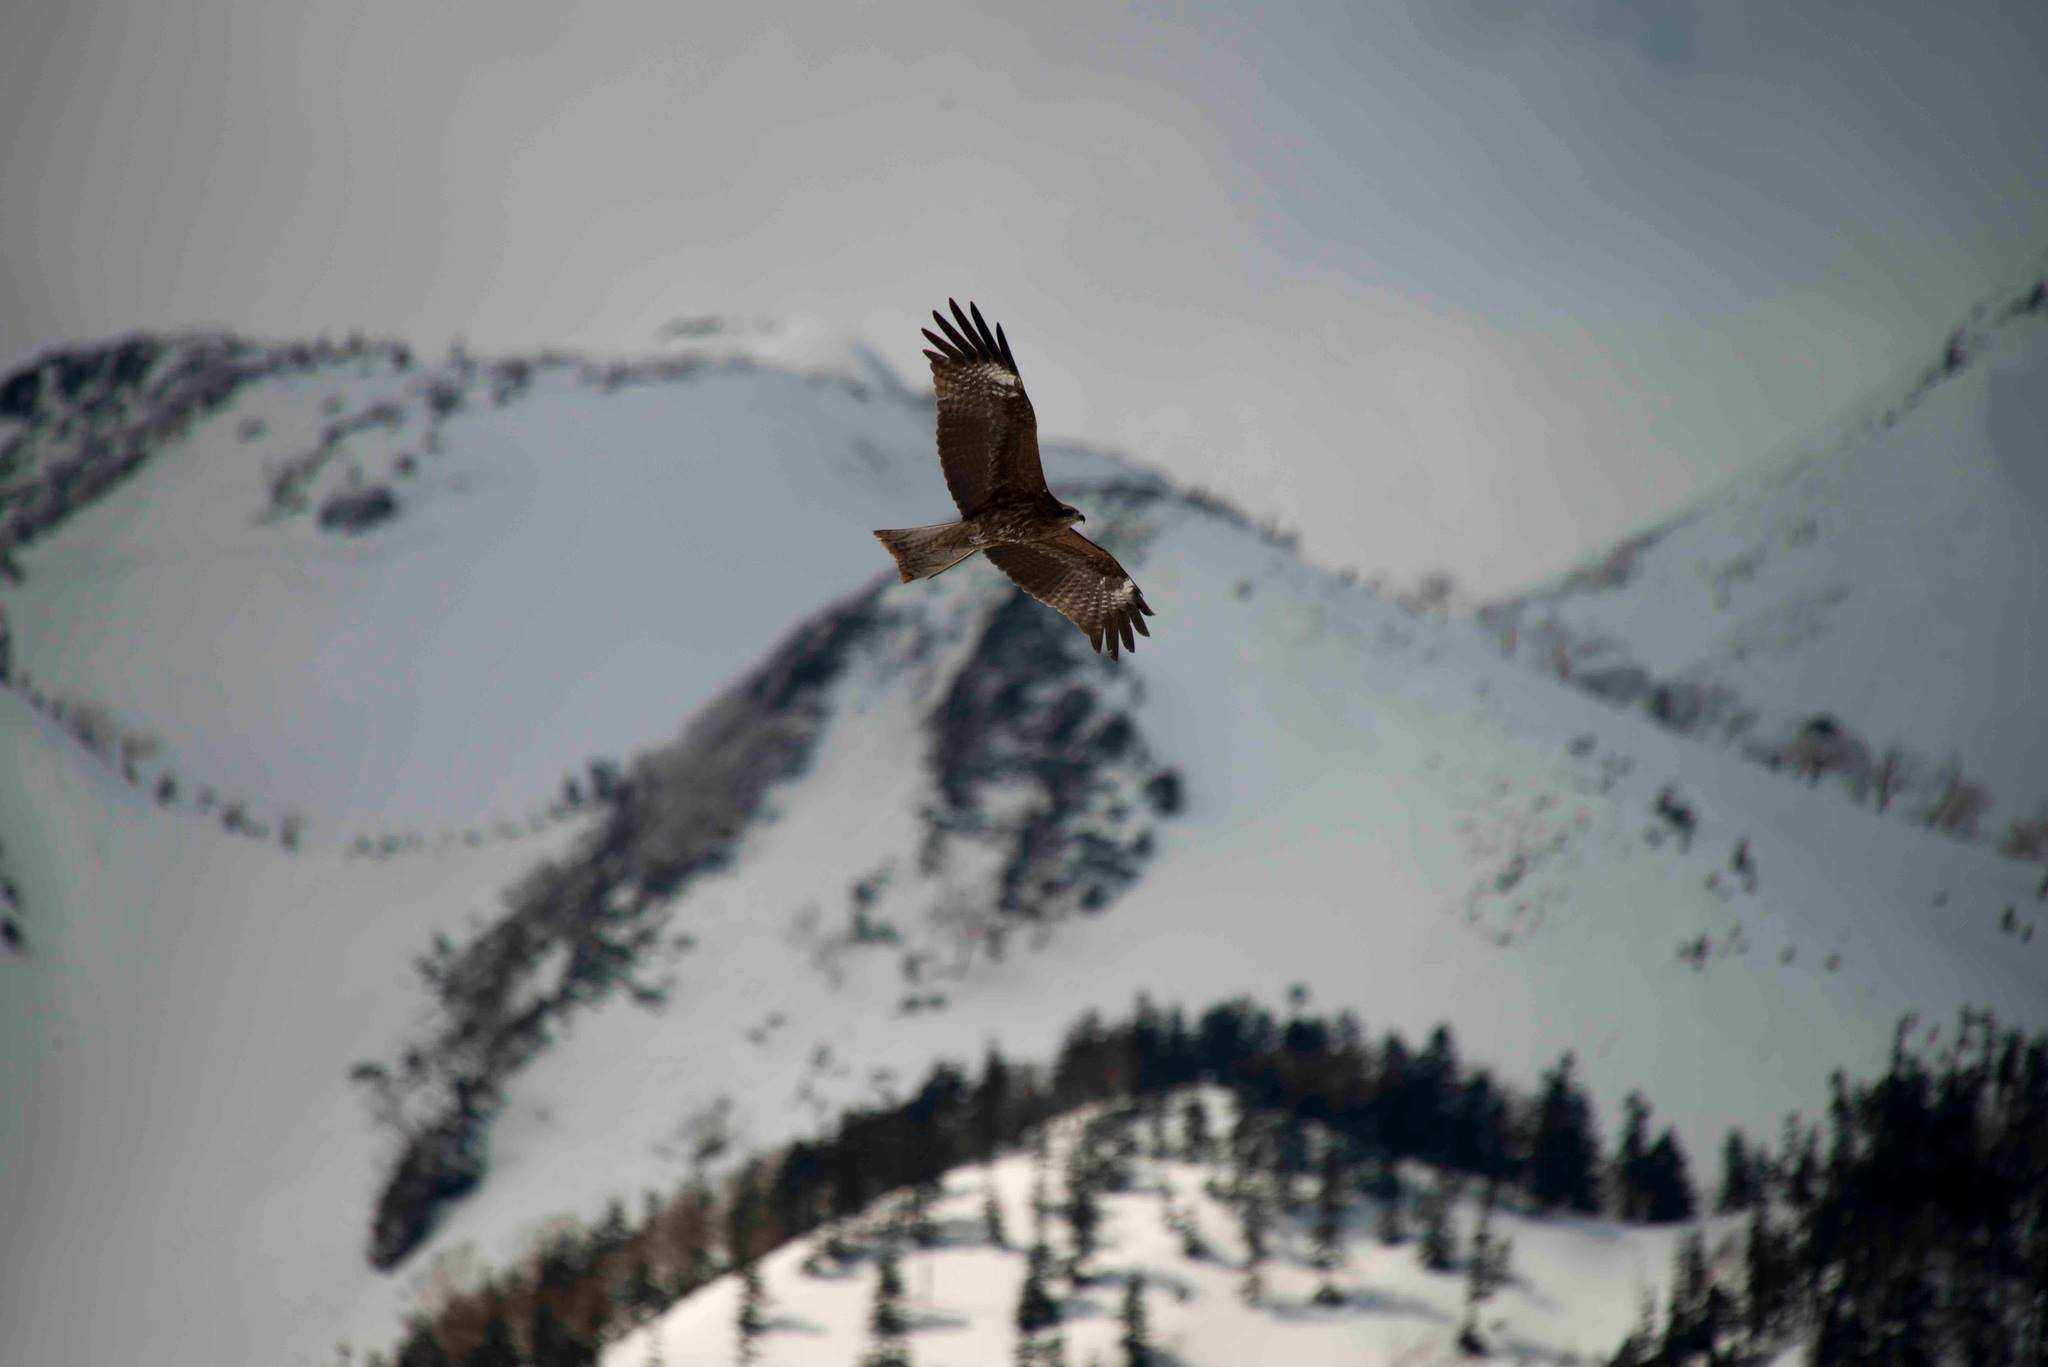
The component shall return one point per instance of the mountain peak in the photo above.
(1879, 590)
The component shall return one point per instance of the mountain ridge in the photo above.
(1367, 800)
(1860, 612)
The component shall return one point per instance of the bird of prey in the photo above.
(988, 449)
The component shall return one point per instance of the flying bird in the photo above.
(988, 450)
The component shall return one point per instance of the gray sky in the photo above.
(1461, 284)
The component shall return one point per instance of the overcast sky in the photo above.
(1460, 284)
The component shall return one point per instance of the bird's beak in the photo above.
(1080, 517)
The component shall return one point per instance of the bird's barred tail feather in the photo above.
(922, 552)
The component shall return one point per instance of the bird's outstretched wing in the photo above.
(988, 435)
(1082, 582)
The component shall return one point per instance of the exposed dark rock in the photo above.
(1165, 791)
(677, 815)
(96, 415)
(439, 1165)
(77, 377)
(1618, 684)
(354, 511)
(1027, 706)
(19, 394)
(1032, 707)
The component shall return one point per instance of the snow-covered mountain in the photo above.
(466, 998)
(465, 578)
(1870, 608)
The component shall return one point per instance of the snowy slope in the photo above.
(1572, 1296)
(1889, 577)
(582, 553)
(1377, 806)
(183, 1167)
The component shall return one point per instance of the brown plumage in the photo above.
(988, 450)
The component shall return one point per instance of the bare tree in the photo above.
(2028, 838)
(1432, 593)
(1890, 774)
(1959, 801)
(1824, 746)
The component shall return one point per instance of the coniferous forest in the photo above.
(1908, 1225)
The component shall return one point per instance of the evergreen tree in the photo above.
(1437, 1249)
(554, 1343)
(743, 1218)
(1152, 1105)
(496, 1348)
(887, 1321)
(1631, 1197)
(1800, 1160)
(753, 1314)
(1565, 1146)
(1481, 1136)
(1248, 1149)
(1038, 1316)
(642, 1297)
(685, 1238)
(1083, 1210)
(1391, 1228)
(420, 1349)
(1041, 1200)
(919, 1226)
(1390, 1095)
(1180, 1222)
(1290, 1160)
(1424, 1125)
(1741, 1183)
(1767, 1272)
(610, 1233)
(1685, 1323)
(1137, 1338)
(1328, 1234)
(1666, 1189)
(991, 1106)
(1195, 1140)
(1486, 1271)
(1254, 1214)
(992, 1217)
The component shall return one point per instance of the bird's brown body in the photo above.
(922, 552)
(1022, 520)
(988, 451)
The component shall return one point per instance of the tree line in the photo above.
(1918, 1230)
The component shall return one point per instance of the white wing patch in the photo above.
(999, 379)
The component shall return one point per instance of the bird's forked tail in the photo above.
(922, 552)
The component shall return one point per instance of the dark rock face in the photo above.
(355, 511)
(19, 394)
(1033, 708)
(1035, 754)
(445, 1162)
(77, 377)
(96, 415)
(678, 814)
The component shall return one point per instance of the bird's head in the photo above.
(1071, 514)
